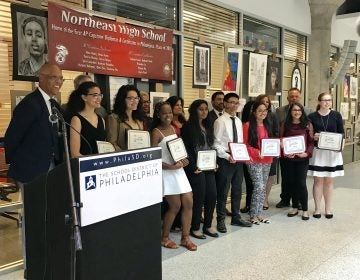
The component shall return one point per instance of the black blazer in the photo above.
(212, 117)
(29, 141)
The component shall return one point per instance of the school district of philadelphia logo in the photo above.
(90, 182)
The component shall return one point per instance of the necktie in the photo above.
(220, 114)
(235, 136)
(55, 131)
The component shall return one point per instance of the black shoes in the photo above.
(317, 216)
(221, 227)
(240, 223)
(246, 209)
(293, 214)
(329, 216)
(282, 204)
(202, 236)
(207, 232)
(304, 218)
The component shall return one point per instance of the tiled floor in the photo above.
(287, 248)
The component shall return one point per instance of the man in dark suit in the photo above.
(32, 146)
(217, 102)
(294, 96)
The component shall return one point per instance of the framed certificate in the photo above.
(270, 147)
(138, 139)
(330, 141)
(293, 145)
(177, 149)
(206, 160)
(239, 152)
(104, 147)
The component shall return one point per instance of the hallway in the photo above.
(287, 248)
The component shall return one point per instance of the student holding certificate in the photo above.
(297, 163)
(325, 164)
(176, 187)
(258, 128)
(198, 136)
(127, 115)
(265, 99)
(85, 121)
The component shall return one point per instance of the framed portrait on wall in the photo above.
(201, 65)
(156, 97)
(296, 78)
(232, 67)
(30, 45)
(257, 74)
(273, 78)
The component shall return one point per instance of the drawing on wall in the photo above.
(273, 78)
(346, 86)
(344, 110)
(233, 64)
(29, 29)
(201, 65)
(354, 87)
(296, 79)
(257, 74)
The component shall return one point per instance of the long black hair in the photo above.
(76, 103)
(172, 100)
(253, 134)
(156, 119)
(194, 126)
(304, 120)
(120, 103)
(246, 112)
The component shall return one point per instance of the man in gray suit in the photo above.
(294, 96)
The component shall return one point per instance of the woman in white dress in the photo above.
(176, 187)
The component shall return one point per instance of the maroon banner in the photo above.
(81, 42)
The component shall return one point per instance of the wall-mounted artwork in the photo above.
(201, 66)
(156, 97)
(30, 45)
(233, 65)
(257, 74)
(273, 78)
(354, 87)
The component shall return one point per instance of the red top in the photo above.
(255, 152)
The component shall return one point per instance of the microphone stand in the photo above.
(75, 238)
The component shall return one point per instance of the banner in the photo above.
(82, 42)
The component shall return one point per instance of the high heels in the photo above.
(329, 216)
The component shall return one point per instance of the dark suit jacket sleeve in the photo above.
(24, 116)
(190, 149)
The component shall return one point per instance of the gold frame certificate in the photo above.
(239, 151)
(270, 147)
(206, 160)
(137, 139)
(330, 141)
(293, 145)
(177, 149)
(104, 147)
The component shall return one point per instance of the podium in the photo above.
(120, 228)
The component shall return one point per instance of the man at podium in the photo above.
(32, 145)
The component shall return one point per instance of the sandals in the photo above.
(187, 243)
(169, 244)
(254, 221)
(263, 220)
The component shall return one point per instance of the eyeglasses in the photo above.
(326, 100)
(96, 95)
(56, 78)
(146, 102)
(233, 103)
(262, 111)
(132, 98)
